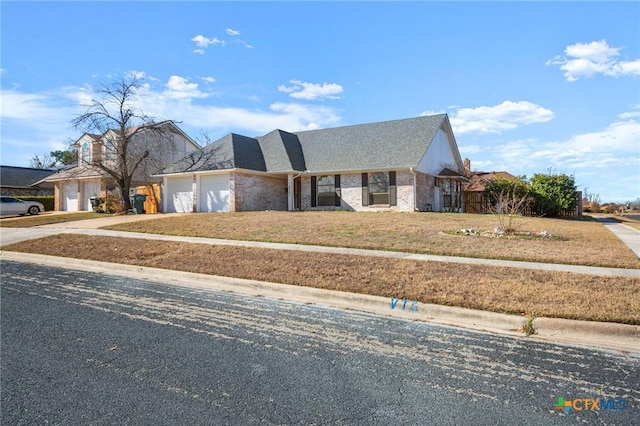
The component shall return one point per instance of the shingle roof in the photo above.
(387, 144)
(479, 180)
(22, 177)
(229, 152)
(382, 145)
(79, 172)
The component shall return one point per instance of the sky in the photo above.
(529, 87)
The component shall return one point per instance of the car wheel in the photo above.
(34, 210)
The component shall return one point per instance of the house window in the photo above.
(379, 188)
(85, 152)
(326, 191)
(110, 149)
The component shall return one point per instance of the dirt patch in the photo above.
(509, 290)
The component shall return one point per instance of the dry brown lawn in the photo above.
(632, 220)
(509, 290)
(47, 219)
(574, 242)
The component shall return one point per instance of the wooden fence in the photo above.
(477, 202)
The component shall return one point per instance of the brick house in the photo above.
(401, 165)
(24, 181)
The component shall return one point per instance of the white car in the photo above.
(11, 205)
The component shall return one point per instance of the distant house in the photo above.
(75, 186)
(474, 192)
(25, 181)
(402, 165)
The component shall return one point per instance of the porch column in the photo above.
(290, 193)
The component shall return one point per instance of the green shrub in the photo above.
(48, 201)
(554, 194)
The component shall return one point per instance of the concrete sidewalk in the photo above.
(628, 235)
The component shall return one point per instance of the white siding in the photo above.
(70, 196)
(439, 155)
(179, 194)
(213, 193)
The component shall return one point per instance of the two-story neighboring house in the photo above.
(150, 150)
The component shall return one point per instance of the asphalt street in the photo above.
(84, 348)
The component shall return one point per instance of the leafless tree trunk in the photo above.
(132, 145)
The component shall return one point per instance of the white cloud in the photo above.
(596, 57)
(496, 119)
(203, 42)
(36, 123)
(312, 91)
(615, 145)
(208, 79)
(180, 88)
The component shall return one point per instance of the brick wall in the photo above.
(425, 185)
(257, 192)
(351, 194)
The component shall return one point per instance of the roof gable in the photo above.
(282, 151)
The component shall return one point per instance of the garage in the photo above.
(91, 189)
(70, 196)
(179, 194)
(213, 194)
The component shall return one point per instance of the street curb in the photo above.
(621, 337)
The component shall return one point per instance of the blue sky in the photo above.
(530, 87)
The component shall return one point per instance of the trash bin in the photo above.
(95, 203)
(137, 203)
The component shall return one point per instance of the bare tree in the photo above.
(133, 145)
(42, 162)
(509, 200)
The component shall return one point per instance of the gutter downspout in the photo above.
(415, 195)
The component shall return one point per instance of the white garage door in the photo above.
(91, 189)
(214, 194)
(179, 194)
(70, 196)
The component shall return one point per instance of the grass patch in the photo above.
(508, 290)
(632, 220)
(47, 219)
(581, 242)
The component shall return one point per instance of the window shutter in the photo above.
(365, 189)
(314, 189)
(392, 189)
(338, 192)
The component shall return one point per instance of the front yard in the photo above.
(571, 242)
